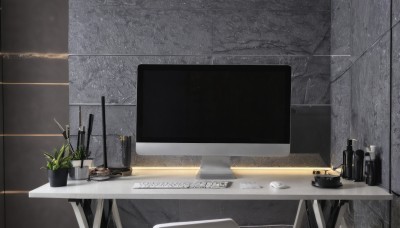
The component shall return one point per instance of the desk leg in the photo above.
(300, 214)
(319, 216)
(115, 214)
(79, 214)
(98, 214)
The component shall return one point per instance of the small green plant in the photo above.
(60, 160)
(80, 154)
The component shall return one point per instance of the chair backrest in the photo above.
(216, 223)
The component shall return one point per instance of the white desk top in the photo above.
(299, 181)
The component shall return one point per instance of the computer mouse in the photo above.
(278, 185)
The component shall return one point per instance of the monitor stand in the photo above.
(215, 167)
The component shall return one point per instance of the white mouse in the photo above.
(278, 185)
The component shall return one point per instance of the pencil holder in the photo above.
(122, 155)
(78, 173)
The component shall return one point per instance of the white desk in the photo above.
(299, 181)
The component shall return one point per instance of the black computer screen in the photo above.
(213, 103)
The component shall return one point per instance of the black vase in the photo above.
(58, 178)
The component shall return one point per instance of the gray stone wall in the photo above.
(395, 97)
(108, 39)
(365, 95)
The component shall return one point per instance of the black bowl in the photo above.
(326, 181)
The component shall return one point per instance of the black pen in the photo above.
(80, 129)
(64, 132)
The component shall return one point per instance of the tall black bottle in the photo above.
(358, 165)
(348, 160)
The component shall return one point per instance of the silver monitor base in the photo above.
(215, 167)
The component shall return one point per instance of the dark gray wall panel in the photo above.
(340, 65)
(123, 30)
(340, 38)
(34, 26)
(147, 213)
(396, 109)
(395, 11)
(260, 212)
(36, 70)
(120, 119)
(22, 211)
(370, 100)
(2, 195)
(114, 76)
(31, 109)
(27, 151)
(115, 156)
(35, 29)
(1, 149)
(310, 74)
(370, 19)
(189, 30)
(308, 5)
(395, 211)
(192, 210)
(139, 4)
(258, 32)
(340, 117)
(369, 70)
(380, 208)
(340, 27)
(364, 216)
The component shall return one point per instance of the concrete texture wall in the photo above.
(34, 90)
(109, 39)
(364, 84)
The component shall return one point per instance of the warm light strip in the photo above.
(246, 168)
(35, 55)
(31, 135)
(13, 192)
(34, 83)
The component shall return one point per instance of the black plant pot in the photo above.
(58, 178)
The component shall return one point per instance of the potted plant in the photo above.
(80, 164)
(58, 165)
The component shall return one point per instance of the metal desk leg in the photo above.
(319, 216)
(300, 214)
(98, 214)
(115, 214)
(79, 214)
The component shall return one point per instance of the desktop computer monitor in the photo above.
(213, 111)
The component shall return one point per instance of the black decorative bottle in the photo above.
(358, 166)
(348, 160)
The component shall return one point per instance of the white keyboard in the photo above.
(181, 185)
